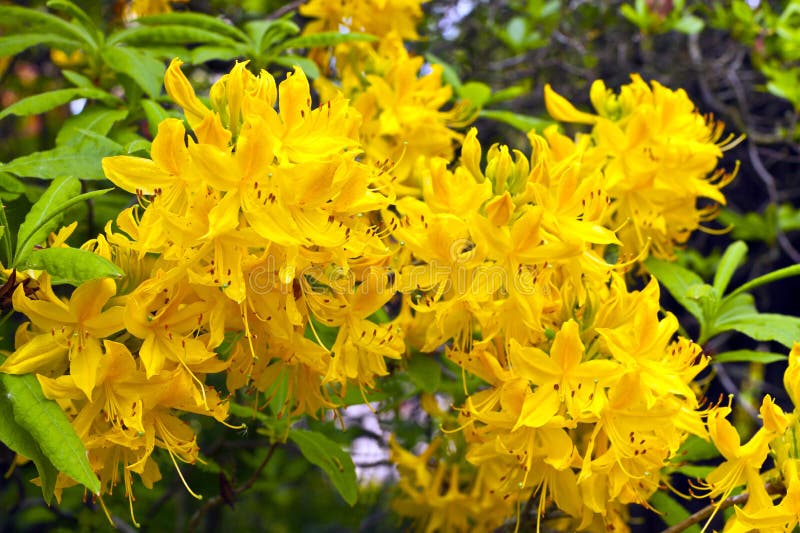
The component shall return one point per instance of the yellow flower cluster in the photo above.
(270, 218)
(659, 157)
(588, 396)
(248, 225)
(744, 464)
(401, 98)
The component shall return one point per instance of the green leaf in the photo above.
(695, 449)
(264, 33)
(749, 356)
(523, 123)
(139, 65)
(98, 120)
(10, 187)
(45, 215)
(730, 261)
(331, 458)
(201, 54)
(92, 34)
(509, 93)
(195, 20)
(155, 114)
(39, 103)
(425, 372)
(38, 21)
(138, 145)
(326, 38)
(689, 24)
(775, 275)
(679, 282)
(71, 265)
(13, 44)
(81, 160)
(76, 79)
(669, 509)
(768, 327)
(695, 471)
(167, 34)
(516, 31)
(16, 437)
(476, 92)
(308, 66)
(49, 427)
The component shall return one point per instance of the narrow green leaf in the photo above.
(326, 38)
(72, 266)
(10, 187)
(92, 32)
(20, 441)
(476, 92)
(776, 275)
(79, 80)
(265, 33)
(39, 103)
(670, 510)
(195, 20)
(49, 427)
(679, 282)
(45, 215)
(730, 261)
(425, 372)
(308, 66)
(749, 356)
(34, 20)
(201, 54)
(331, 458)
(523, 123)
(81, 160)
(141, 66)
(167, 34)
(98, 120)
(768, 327)
(138, 145)
(13, 44)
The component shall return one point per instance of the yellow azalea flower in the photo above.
(402, 109)
(143, 8)
(741, 461)
(378, 17)
(165, 320)
(782, 517)
(561, 378)
(131, 415)
(661, 158)
(445, 497)
(65, 334)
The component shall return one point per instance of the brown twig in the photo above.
(217, 500)
(281, 11)
(705, 512)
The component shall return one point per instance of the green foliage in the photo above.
(71, 265)
(331, 458)
(717, 312)
(36, 418)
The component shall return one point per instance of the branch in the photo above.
(281, 11)
(216, 500)
(705, 512)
